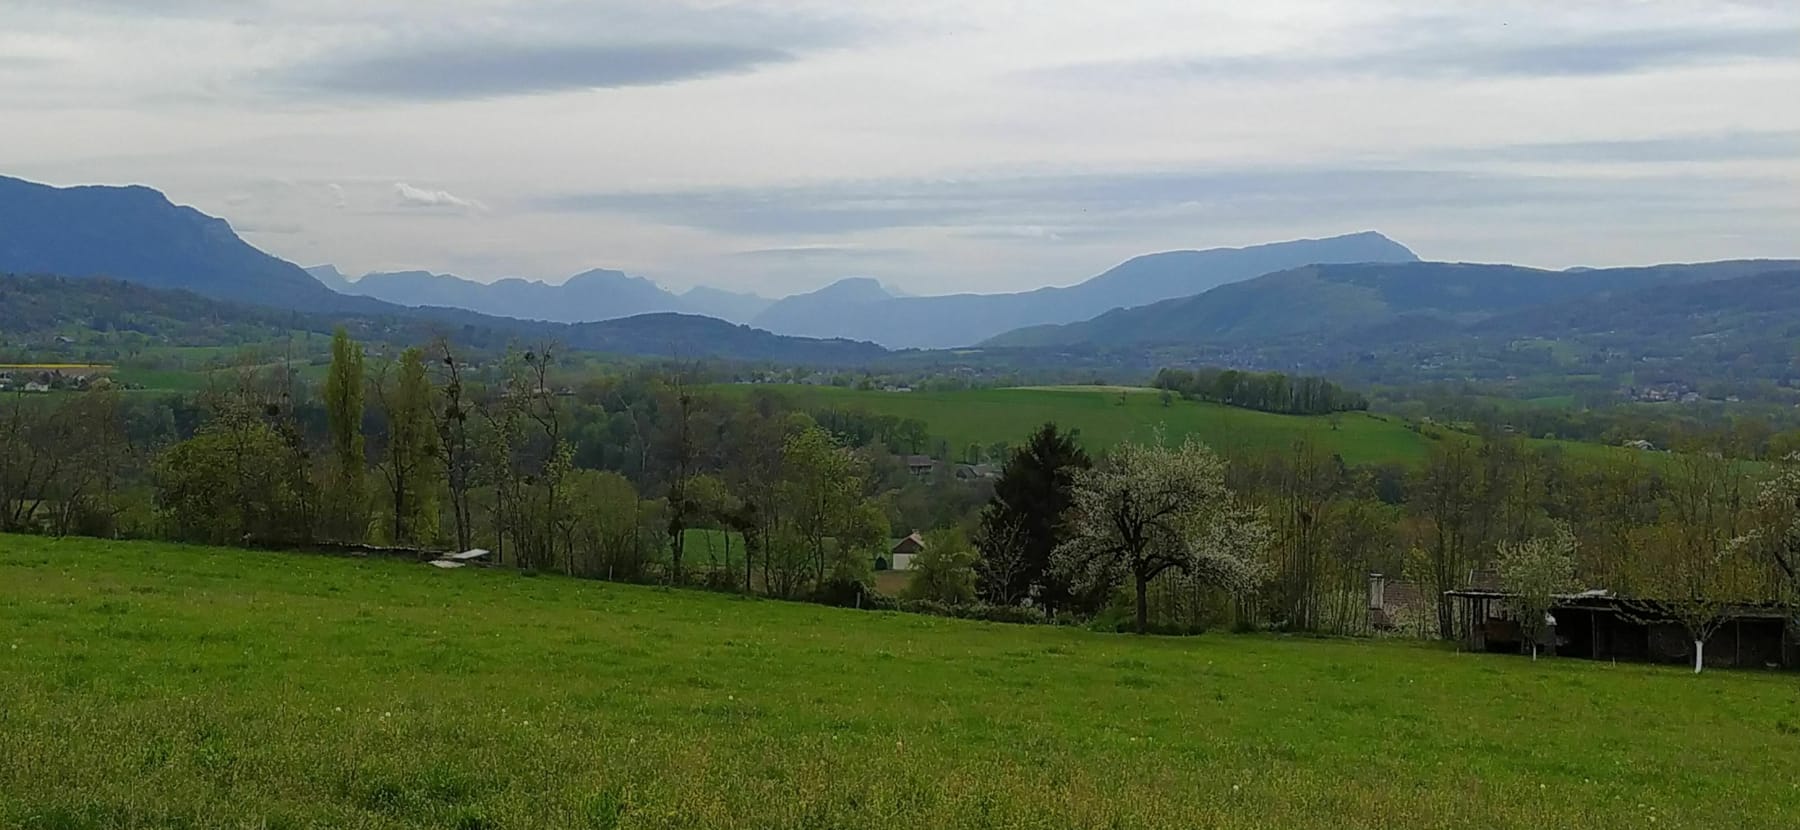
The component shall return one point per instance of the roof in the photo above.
(913, 543)
(1600, 599)
(1401, 594)
(919, 461)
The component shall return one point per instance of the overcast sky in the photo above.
(941, 146)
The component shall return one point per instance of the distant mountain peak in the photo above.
(852, 288)
(329, 276)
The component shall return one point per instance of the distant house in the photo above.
(36, 386)
(976, 472)
(900, 556)
(920, 465)
(1640, 444)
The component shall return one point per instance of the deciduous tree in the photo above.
(1533, 573)
(404, 394)
(1150, 509)
(347, 494)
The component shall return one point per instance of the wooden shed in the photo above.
(1599, 625)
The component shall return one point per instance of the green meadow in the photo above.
(154, 685)
(1108, 415)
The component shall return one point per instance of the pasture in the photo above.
(1108, 415)
(157, 685)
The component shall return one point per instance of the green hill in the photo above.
(151, 685)
(1108, 415)
(1328, 302)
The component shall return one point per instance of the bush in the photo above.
(975, 611)
(842, 592)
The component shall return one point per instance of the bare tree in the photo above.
(455, 449)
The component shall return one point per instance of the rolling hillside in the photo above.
(37, 307)
(1322, 301)
(1108, 416)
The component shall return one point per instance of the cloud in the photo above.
(1730, 146)
(1462, 53)
(820, 251)
(546, 46)
(487, 70)
(1057, 208)
(409, 196)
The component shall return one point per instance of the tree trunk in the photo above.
(1143, 607)
(1699, 655)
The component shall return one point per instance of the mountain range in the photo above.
(865, 311)
(78, 246)
(861, 308)
(1394, 312)
(1323, 301)
(589, 296)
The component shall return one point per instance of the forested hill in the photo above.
(1323, 300)
(39, 307)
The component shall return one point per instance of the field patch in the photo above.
(1107, 415)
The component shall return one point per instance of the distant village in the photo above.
(40, 380)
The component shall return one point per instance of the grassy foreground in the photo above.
(146, 685)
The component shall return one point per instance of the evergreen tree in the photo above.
(1023, 523)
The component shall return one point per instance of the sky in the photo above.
(977, 145)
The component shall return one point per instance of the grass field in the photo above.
(89, 368)
(1106, 417)
(146, 685)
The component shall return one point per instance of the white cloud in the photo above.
(410, 196)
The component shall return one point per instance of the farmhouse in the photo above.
(1600, 625)
(920, 465)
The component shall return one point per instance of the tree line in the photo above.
(651, 475)
(1264, 391)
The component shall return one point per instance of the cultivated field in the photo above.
(147, 685)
